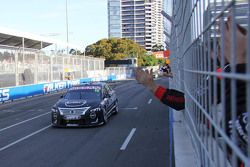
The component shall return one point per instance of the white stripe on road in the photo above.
(134, 108)
(150, 100)
(124, 145)
(23, 121)
(23, 138)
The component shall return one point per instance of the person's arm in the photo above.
(173, 98)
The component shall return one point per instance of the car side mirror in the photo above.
(62, 96)
(111, 93)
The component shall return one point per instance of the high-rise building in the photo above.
(114, 18)
(158, 22)
(167, 19)
(140, 20)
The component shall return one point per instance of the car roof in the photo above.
(93, 84)
(100, 84)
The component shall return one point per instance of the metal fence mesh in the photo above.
(210, 60)
(29, 66)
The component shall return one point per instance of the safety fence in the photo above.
(29, 66)
(210, 59)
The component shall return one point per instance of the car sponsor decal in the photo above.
(96, 88)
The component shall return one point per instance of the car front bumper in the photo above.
(75, 120)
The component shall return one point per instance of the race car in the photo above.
(85, 105)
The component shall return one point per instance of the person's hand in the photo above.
(145, 78)
(241, 42)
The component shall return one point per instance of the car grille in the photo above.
(73, 111)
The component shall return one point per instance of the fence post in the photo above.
(16, 68)
(88, 64)
(63, 74)
(36, 68)
(51, 69)
(81, 67)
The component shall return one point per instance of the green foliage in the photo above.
(74, 52)
(121, 48)
(162, 61)
(115, 49)
(149, 60)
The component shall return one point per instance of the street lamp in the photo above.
(67, 26)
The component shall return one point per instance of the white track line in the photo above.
(150, 100)
(124, 145)
(23, 121)
(132, 108)
(23, 138)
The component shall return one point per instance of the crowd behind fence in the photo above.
(211, 64)
(29, 66)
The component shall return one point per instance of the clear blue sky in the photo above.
(88, 20)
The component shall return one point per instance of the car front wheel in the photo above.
(54, 121)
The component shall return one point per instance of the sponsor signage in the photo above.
(4, 94)
(13, 93)
(162, 54)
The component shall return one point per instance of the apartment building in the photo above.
(140, 21)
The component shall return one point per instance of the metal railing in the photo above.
(211, 64)
(29, 66)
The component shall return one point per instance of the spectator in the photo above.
(176, 100)
(166, 70)
(241, 122)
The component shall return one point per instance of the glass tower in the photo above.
(138, 20)
(114, 18)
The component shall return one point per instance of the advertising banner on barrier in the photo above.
(31, 90)
(57, 86)
(18, 92)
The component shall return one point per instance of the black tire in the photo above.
(55, 124)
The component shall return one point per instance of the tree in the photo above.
(161, 61)
(115, 49)
(121, 48)
(74, 52)
(149, 60)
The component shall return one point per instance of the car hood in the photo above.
(65, 103)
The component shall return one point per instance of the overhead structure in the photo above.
(14, 38)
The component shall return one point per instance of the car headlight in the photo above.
(55, 110)
(92, 113)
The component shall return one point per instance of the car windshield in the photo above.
(85, 93)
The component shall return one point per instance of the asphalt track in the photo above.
(138, 136)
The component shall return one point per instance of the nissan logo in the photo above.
(72, 112)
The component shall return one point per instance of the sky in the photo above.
(87, 19)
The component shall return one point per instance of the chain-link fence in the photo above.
(211, 64)
(28, 66)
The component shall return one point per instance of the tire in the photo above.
(55, 124)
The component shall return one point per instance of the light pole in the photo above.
(67, 26)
